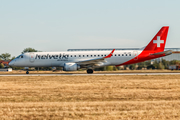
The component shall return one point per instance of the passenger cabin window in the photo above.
(129, 54)
(94, 55)
(83, 55)
(91, 55)
(71, 55)
(79, 55)
(98, 55)
(102, 55)
(74, 55)
(115, 55)
(21, 57)
(122, 54)
(118, 54)
(87, 55)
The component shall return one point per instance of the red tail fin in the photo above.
(158, 42)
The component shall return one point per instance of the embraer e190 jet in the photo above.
(75, 60)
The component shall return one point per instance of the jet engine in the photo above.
(71, 67)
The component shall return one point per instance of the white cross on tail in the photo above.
(158, 41)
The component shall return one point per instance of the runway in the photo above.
(96, 74)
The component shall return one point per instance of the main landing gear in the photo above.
(27, 72)
(89, 71)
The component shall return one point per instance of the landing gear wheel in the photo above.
(27, 72)
(89, 71)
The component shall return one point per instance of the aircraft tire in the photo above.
(27, 72)
(89, 71)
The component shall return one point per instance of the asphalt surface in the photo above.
(96, 74)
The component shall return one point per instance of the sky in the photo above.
(58, 25)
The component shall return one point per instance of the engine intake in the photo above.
(71, 67)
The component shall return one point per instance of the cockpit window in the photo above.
(20, 56)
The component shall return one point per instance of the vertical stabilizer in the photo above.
(157, 44)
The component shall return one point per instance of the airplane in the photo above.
(75, 60)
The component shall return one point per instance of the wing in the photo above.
(96, 60)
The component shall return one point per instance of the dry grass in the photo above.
(90, 97)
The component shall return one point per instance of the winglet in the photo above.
(108, 56)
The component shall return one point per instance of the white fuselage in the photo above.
(58, 59)
(75, 60)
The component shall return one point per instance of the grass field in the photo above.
(145, 97)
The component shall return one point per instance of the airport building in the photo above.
(174, 56)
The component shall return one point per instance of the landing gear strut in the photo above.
(89, 71)
(27, 72)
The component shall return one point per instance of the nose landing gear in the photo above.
(26, 69)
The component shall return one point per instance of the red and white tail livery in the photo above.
(74, 60)
(154, 49)
(157, 44)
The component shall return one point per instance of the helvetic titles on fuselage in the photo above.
(60, 56)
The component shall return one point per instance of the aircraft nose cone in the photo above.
(11, 63)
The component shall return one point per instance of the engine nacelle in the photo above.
(71, 67)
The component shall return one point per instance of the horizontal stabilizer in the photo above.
(162, 53)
